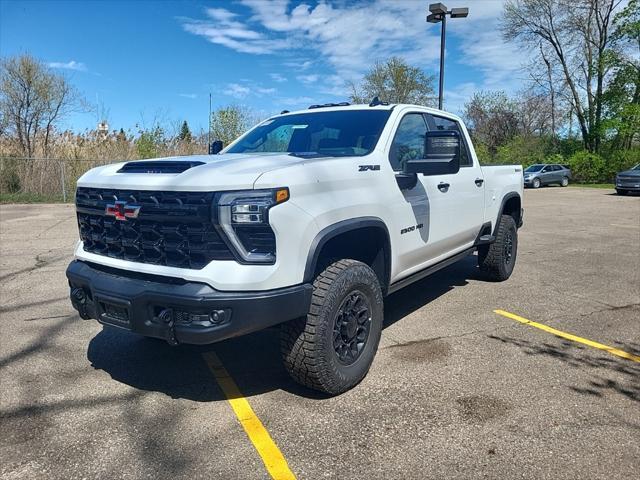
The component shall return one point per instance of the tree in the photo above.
(622, 96)
(395, 81)
(185, 133)
(33, 100)
(228, 123)
(577, 36)
(492, 118)
(150, 142)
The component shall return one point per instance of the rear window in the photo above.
(343, 133)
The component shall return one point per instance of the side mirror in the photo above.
(216, 147)
(442, 154)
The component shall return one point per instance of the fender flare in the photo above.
(339, 228)
(505, 199)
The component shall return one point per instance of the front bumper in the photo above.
(632, 185)
(176, 310)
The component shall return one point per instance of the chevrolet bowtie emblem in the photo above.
(122, 210)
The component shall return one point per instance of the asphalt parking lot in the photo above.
(456, 390)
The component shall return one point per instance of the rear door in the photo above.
(547, 174)
(462, 201)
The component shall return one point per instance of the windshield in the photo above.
(637, 167)
(345, 133)
(534, 168)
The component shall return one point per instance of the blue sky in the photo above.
(144, 61)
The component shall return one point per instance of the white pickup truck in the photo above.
(308, 220)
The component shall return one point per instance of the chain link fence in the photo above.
(42, 179)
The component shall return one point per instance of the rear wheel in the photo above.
(332, 348)
(498, 259)
(564, 182)
(621, 191)
(536, 183)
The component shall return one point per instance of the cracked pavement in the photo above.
(456, 391)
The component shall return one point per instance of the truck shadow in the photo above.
(252, 360)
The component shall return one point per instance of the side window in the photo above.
(441, 123)
(408, 143)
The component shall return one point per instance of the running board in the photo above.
(414, 277)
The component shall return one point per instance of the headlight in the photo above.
(244, 218)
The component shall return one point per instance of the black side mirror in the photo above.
(442, 154)
(216, 147)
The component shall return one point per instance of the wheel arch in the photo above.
(511, 205)
(338, 240)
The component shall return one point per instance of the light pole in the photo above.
(438, 14)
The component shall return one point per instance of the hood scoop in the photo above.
(164, 166)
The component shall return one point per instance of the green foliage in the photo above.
(185, 132)
(483, 154)
(10, 179)
(587, 167)
(228, 123)
(149, 143)
(620, 160)
(524, 150)
(395, 81)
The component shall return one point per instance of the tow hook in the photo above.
(166, 316)
(79, 301)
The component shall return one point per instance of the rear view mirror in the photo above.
(442, 154)
(216, 147)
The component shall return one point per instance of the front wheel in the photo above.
(498, 259)
(536, 183)
(332, 348)
(564, 182)
(620, 191)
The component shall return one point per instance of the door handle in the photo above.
(479, 182)
(443, 187)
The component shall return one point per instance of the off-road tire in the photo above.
(621, 191)
(536, 183)
(564, 182)
(307, 343)
(494, 259)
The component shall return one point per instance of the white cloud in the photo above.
(239, 91)
(276, 77)
(307, 79)
(188, 95)
(221, 28)
(264, 91)
(296, 102)
(348, 36)
(236, 90)
(70, 65)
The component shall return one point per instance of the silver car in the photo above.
(546, 174)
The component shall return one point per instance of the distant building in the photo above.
(103, 128)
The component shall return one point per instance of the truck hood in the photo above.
(230, 171)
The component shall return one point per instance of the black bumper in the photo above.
(179, 311)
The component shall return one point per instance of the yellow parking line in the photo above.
(267, 449)
(569, 336)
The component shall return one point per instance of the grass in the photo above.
(593, 185)
(29, 198)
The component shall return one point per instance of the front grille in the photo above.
(172, 228)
